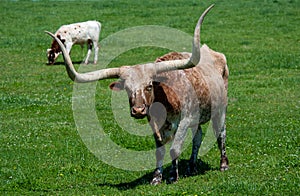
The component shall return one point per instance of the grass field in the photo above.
(41, 151)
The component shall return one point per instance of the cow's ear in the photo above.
(62, 40)
(117, 86)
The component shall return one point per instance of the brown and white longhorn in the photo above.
(176, 92)
(78, 33)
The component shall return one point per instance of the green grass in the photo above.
(41, 151)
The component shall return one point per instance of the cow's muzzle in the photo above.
(50, 62)
(139, 111)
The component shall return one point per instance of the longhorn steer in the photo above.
(78, 33)
(173, 100)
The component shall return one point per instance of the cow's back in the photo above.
(199, 89)
(79, 33)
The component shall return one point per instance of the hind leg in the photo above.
(160, 154)
(90, 46)
(197, 138)
(220, 132)
(224, 163)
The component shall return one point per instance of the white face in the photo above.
(140, 99)
(138, 83)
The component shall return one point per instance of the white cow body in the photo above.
(78, 33)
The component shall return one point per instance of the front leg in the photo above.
(174, 175)
(69, 47)
(160, 154)
(90, 46)
(156, 119)
(177, 147)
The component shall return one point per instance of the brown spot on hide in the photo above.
(164, 93)
(166, 96)
(55, 47)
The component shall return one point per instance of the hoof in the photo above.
(50, 63)
(224, 164)
(156, 181)
(173, 180)
(224, 168)
(174, 177)
(157, 178)
(192, 169)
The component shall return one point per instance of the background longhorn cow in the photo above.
(78, 33)
(191, 96)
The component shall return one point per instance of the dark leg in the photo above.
(197, 138)
(174, 176)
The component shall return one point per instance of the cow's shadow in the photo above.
(145, 179)
(60, 63)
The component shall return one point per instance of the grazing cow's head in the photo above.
(136, 80)
(54, 51)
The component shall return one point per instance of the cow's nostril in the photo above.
(133, 111)
(138, 110)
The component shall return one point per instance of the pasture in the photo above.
(41, 151)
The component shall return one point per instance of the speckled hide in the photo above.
(199, 78)
(191, 97)
(78, 33)
(174, 101)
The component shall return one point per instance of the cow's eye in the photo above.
(149, 88)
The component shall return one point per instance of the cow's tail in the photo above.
(99, 25)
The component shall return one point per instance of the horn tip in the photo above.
(49, 33)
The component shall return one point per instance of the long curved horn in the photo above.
(84, 77)
(195, 58)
